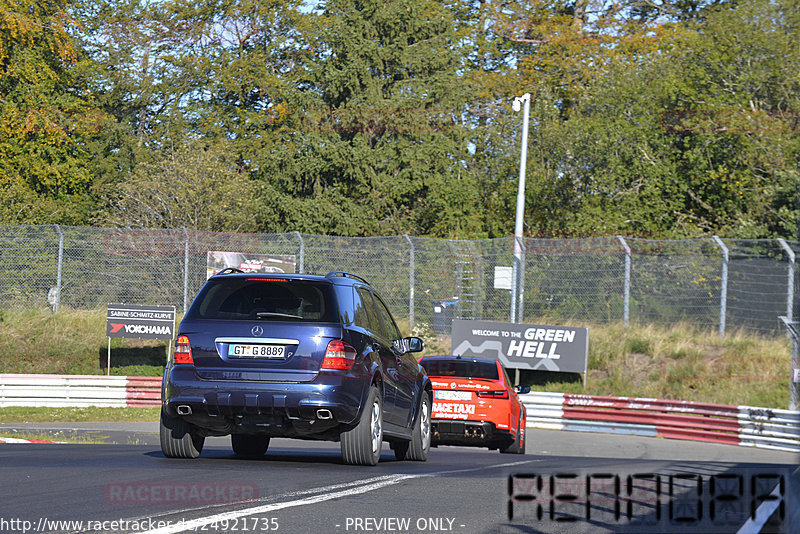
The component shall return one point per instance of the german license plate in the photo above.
(445, 394)
(237, 350)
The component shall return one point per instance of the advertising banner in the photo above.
(216, 260)
(523, 346)
(140, 322)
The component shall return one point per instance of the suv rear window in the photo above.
(259, 299)
(461, 368)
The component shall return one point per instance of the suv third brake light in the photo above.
(339, 355)
(183, 351)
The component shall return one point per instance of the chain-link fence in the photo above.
(719, 283)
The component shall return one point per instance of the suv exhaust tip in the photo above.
(324, 414)
(183, 409)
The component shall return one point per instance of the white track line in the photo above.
(374, 484)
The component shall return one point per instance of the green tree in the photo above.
(668, 124)
(377, 143)
(195, 185)
(47, 117)
(190, 74)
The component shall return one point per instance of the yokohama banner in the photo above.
(523, 346)
(142, 322)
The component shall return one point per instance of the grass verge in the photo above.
(24, 414)
(681, 362)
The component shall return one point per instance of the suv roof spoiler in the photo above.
(228, 270)
(346, 275)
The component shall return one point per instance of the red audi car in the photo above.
(475, 404)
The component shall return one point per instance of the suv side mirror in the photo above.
(523, 389)
(414, 344)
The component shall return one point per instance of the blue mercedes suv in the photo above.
(297, 356)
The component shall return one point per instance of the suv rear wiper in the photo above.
(276, 315)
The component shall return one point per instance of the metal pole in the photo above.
(410, 283)
(185, 270)
(521, 282)
(60, 266)
(108, 362)
(627, 289)
(301, 267)
(790, 281)
(512, 312)
(794, 381)
(723, 299)
(520, 214)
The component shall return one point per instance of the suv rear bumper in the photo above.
(275, 408)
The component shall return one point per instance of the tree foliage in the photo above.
(667, 118)
(46, 116)
(194, 185)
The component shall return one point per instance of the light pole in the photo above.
(517, 288)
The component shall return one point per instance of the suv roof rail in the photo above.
(228, 270)
(346, 275)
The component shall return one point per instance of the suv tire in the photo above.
(362, 444)
(417, 449)
(177, 439)
(249, 445)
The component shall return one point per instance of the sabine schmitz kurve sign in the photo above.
(523, 346)
(142, 322)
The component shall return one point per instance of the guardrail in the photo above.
(747, 426)
(79, 390)
(734, 425)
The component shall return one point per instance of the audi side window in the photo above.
(509, 383)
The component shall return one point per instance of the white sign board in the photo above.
(502, 277)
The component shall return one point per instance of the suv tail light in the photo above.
(183, 351)
(493, 394)
(339, 355)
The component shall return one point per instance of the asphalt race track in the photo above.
(568, 482)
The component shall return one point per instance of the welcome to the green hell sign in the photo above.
(523, 346)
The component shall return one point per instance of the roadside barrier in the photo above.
(747, 426)
(79, 390)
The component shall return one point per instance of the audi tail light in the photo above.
(503, 394)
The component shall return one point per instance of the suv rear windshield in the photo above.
(267, 300)
(461, 368)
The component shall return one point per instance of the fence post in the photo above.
(517, 280)
(627, 289)
(301, 268)
(723, 299)
(410, 283)
(60, 266)
(185, 269)
(521, 281)
(794, 384)
(790, 282)
(512, 314)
